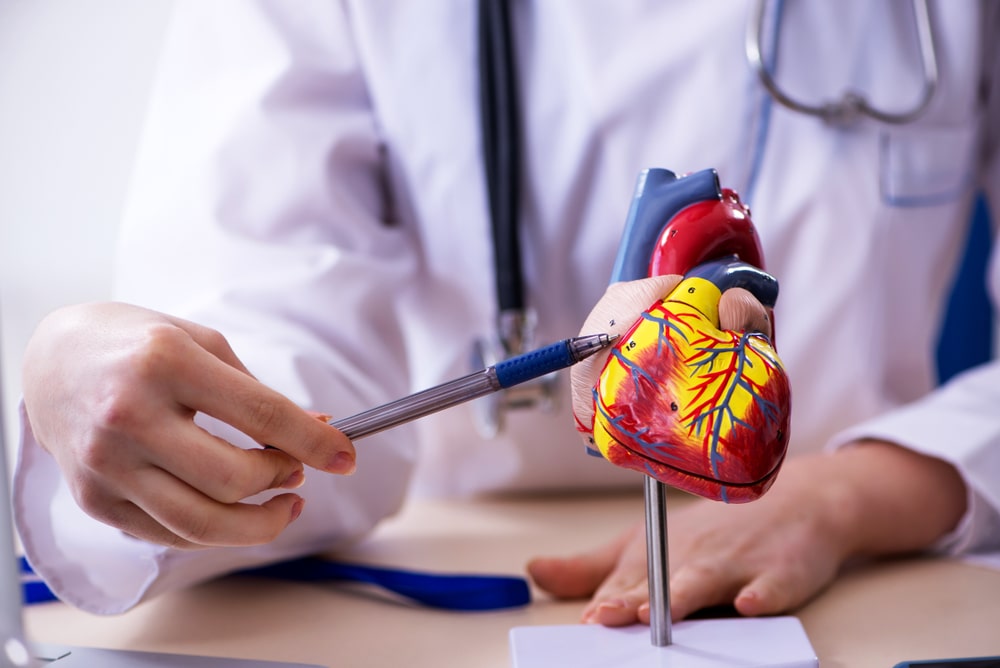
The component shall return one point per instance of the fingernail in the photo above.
(294, 480)
(343, 463)
(748, 602)
(297, 509)
(612, 604)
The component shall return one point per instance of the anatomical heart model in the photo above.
(696, 407)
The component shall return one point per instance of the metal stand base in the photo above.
(701, 643)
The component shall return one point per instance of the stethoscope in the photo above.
(500, 123)
(852, 105)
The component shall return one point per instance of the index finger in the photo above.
(209, 378)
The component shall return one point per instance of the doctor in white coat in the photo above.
(310, 192)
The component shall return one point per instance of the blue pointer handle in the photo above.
(534, 364)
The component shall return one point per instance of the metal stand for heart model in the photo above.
(702, 643)
(658, 562)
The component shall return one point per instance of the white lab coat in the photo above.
(310, 184)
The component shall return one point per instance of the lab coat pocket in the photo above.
(926, 165)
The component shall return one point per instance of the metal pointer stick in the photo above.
(502, 375)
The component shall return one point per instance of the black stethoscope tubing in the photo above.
(501, 149)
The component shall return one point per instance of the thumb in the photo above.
(622, 304)
(739, 311)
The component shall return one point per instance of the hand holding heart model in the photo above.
(695, 406)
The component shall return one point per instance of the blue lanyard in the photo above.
(33, 588)
(443, 591)
(435, 590)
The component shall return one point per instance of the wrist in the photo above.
(893, 500)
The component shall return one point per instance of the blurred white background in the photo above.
(74, 78)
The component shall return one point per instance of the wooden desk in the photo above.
(874, 617)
